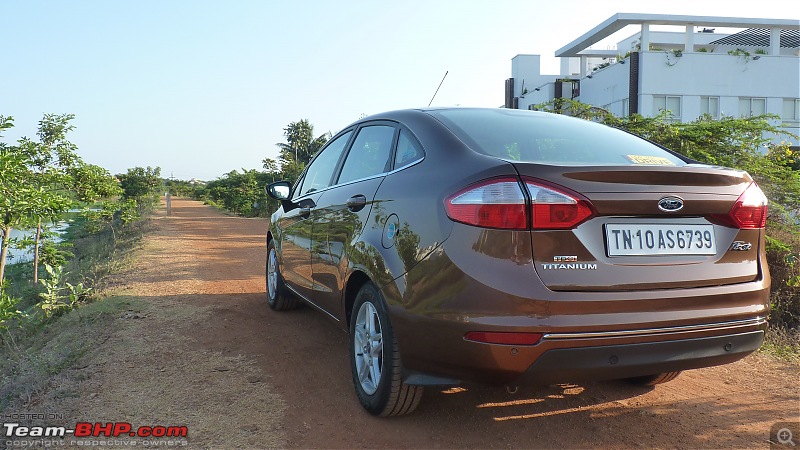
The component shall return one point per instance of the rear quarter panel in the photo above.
(412, 199)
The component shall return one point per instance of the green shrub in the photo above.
(9, 311)
(60, 295)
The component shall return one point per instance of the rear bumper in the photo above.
(575, 357)
(632, 360)
(458, 290)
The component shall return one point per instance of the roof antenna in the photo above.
(437, 89)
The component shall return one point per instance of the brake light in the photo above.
(507, 338)
(556, 208)
(750, 209)
(497, 203)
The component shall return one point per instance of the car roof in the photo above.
(401, 115)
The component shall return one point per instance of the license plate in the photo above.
(656, 240)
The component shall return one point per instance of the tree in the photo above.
(41, 180)
(90, 183)
(21, 200)
(49, 159)
(181, 188)
(300, 145)
(141, 185)
(270, 165)
(242, 193)
(299, 148)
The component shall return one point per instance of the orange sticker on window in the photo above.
(650, 160)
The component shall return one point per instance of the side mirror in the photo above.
(279, 190)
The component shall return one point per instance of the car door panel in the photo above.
(297, 227)
(344, 211)
(341, 216)
(297, 239)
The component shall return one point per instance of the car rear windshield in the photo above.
(545, 138)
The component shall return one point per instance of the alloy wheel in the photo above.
(368, 348)
(272, 274)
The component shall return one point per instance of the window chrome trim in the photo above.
(382, 174)
(757, 321)
(413, 163)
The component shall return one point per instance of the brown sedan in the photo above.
(514, 247)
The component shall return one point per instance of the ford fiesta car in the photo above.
(517, 247)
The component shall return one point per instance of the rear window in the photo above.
(545, 138)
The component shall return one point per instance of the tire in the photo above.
(652, 380)
(278, 296)
(375, 359)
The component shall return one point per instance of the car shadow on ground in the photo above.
(305, 356)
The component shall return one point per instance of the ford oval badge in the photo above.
(670, 204)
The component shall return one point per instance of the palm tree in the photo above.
(300, 145)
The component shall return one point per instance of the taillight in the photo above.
(750, 209)
(555, 208)
(496, 203)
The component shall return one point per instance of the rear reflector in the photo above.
(506, 338)
(554, 208)
(496, 203)
(749, 211)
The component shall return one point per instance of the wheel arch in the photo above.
(356, 280)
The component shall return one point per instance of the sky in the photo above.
(201, 88)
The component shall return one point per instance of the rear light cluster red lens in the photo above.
(553, 209)
(507, 338)
(500, 203)
(497, 203)
(749, 211)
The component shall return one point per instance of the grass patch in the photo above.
(38, 363)
(100, 254)
(37, 348)
(783, 344)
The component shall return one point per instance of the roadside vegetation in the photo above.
(243, 192)
(44, 182)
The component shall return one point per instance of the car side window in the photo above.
(369, 154)
(319, 173)
(408, 151)
(298, 186)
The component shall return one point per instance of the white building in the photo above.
(750, 68)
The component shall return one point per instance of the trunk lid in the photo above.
(654, 227)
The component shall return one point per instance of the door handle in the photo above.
(305, 211)
(356, 202)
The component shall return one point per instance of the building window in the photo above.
(710, 106)
(749, 107)
(667, 103)
(791, 110)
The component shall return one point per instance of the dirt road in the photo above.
(198, 346)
